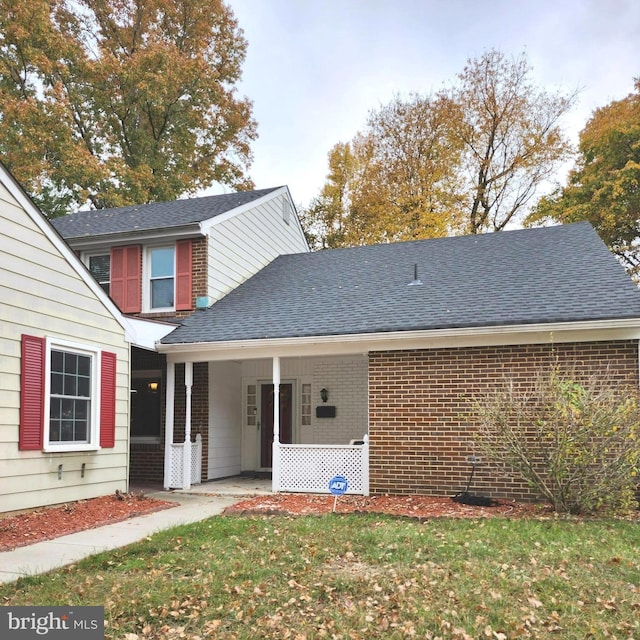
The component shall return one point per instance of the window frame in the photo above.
(147, 279)
(86, 258)
(93, 444)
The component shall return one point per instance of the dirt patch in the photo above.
(52, 522)
(421, 507)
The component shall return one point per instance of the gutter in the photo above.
(583, 331)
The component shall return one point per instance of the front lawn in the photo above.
(361, 576)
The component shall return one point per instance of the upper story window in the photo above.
(146, 279)
(162, 270)
(100, 267)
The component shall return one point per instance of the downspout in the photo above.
(275, 454)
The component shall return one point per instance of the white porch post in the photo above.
(275, 454)
(168, 423)
(186, 461)
(365, 465)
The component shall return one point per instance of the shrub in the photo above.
(576, 443)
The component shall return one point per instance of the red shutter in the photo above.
(184, 276)
(133, 280)
(116, 286)
(126, 278)
(108, 400)
(32, 367)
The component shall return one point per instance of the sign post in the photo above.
(338, 486)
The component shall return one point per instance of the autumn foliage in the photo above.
(114, 102)
(467, 159)
(604, 185)
(576, 442)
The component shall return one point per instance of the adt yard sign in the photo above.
(338, 485)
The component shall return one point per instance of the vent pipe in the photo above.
(416, 280)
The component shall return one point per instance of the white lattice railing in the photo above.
(308, 468)
(176, 473)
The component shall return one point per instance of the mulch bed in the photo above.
(421, 507)
(52, 522)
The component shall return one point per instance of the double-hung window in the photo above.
(168, 277)
(70, 393)
(67, 396)
(162, 270)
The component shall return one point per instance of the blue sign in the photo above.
(338, 485)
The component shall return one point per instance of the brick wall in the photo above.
(419, 401)
(146, 463)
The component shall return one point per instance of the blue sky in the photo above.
(315, 68)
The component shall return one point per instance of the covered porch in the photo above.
(304, 420)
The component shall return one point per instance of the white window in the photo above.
(160, 282)
(100, 267)
(71, 392)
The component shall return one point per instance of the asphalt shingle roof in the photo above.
(156, 215)
(554, 274)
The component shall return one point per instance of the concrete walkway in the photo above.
(41, 557)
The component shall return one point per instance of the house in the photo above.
(393, 341)
(162, 262)
(359, 362)
(64, 347)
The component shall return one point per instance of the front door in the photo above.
(266, 414)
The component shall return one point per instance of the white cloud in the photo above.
(315, 68)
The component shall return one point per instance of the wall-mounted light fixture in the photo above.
(324, 394)
(153, 386)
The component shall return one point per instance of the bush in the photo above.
(576, 443)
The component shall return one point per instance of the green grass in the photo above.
(361, 577)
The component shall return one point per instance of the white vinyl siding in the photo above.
(224, 419)
(41, 294)
(243, 244)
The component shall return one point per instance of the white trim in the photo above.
(86, 260)
(146, 278)
(168, 421)
(74, 261)
(585, 331)
(206, 225)
(126, 238)
(149, 331)
(95, 353)
(186, 451)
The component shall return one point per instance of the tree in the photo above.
(468, 159)
(326, 217)
(511, 137)
(604, 186)
(393, 181)
(113, 102)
